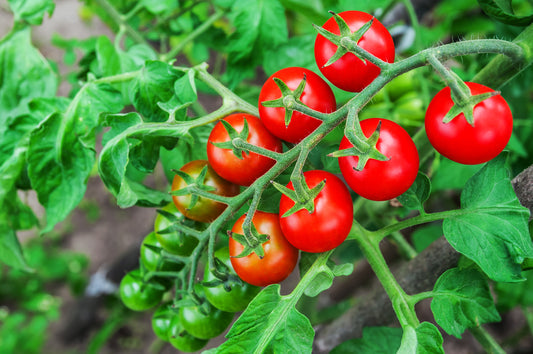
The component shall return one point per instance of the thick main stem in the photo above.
(400, 300)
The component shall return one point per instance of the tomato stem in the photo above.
(401, 303)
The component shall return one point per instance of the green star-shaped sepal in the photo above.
(234, 134)
(365, 152)
(464, 102)
(288, 98)
(345, 37)
(192, 183)
(223, 277)
(175, 227)
(303, 200)
(252, 242)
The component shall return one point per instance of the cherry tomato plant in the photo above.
(284, 173)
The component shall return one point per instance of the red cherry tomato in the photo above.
(205, 210)
(280, 256)
(243, 171)
(331, 221)
(382, 180)
(316, 95)
(461, 142)
(349, 72)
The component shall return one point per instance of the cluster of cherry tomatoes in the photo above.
(327, 225)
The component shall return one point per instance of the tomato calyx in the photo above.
(288, 98)
(251, 239)
(176, 226)
(193, 186)
(223, 277)
(233, 136)
(346, 41)
(363, 147)
(147, 283)
(302, 196)
(464, 102)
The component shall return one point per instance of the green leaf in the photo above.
(184, 95)
(502, 11)
(493, 229)
(113, 61)
(294, 52)
(14, 215)
(462, 300)
(159, 6)
(423, 339)
(259, 25)
(417, 194)
(452, 175)
(510, 295)
(424, 236)
(58, 170)
(324, 279)
(25, 74)
(61, 152)
(154, 84)
(375, 340)
(270, 323)
(31, 11)
(132, 143)
(10, 249)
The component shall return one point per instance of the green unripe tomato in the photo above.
(138, 295)
(173, 242)
(235, 300)
(183, 340)
(150, 258)
(161, 321)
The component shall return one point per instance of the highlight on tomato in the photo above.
(245, 167)
(461, 141)
(382, 180)
(280, 256)
(204, 209)
(330, 222)
(316, 95)
(349, 72)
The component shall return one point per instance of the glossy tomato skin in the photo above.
(235, 300)
(173, 242)
(161, 321)
(181, 339)
(461, 142)
(202, 325)
(280, 256)
(205, 210)
(350, 73)
(136, 294)
(316, 95)
(252, 166)
(328, 226)
(382, 180)
(151, 259)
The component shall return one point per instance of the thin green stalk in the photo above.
(244, 145)
(405, 248)
(486, 340)
(120, 20)
(193, 35)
